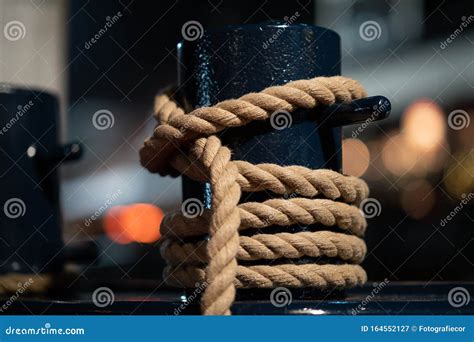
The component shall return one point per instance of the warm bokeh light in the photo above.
(355, 157)
(113, 226)
(418, 198)
(458, 176)
(424, 125)
(400, 157)
(397, 157)
(133, 223)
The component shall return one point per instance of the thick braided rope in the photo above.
(303, 211)
(301, 181)
(223, 229)
(273, 246)
(179, 144)
(284, 180)
(26, 283)
(288, 275)
(279, 212)
(176, 129)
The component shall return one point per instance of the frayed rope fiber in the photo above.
(186, 144)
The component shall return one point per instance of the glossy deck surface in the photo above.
(396, 298)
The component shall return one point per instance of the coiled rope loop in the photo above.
(186, 144)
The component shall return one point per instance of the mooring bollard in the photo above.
(231, 61)
(30, 155)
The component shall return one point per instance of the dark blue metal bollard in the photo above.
(30, 233)
(231, 61)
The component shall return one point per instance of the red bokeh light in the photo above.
(138, 222)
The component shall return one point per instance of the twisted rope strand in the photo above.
(223, 228)
(301, 181)
(303, 211)
(273, 246)
(272, 212)
(177, 129)
(288, 275)
(31, 283)
(284, 180)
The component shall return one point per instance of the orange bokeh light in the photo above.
(420, 147)
(113, 227)
(423, 125)
(397, 156)
(133, 223)
(355, 157)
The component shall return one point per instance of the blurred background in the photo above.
(112, 57)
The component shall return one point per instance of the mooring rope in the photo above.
(29, 283)
(185, 143)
